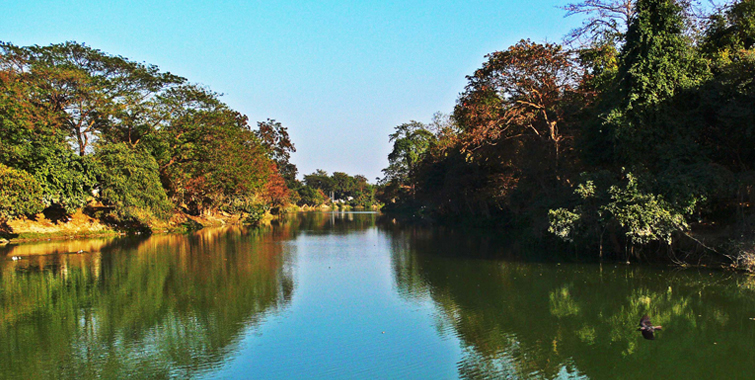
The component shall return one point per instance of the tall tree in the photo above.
(410, 140)
(98, 93)
(211, 157)
(274, 136)
(519, 93)
(33, 137)
(605, 22)
(657, 63)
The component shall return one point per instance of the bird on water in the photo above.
(647, 328)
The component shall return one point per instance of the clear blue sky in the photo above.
(339, 74)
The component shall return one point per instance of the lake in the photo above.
(356, 296)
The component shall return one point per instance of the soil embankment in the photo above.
(83, 223)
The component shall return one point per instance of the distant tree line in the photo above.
(78, 125)
(319, 188)
(635, 133)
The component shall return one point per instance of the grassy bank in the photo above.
(88, 222)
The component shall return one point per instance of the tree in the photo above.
(319, 186)
(731, 30)
(274, 136)
(210, 157)
(319, 180)
(30, 138)
(441, 123)
(130, 182)
(605, 23)
(410, 140)
(519, 93)
(311, 196)
(93, 93)
(646, 136)
(656, 64)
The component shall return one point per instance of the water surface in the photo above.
(345, 295)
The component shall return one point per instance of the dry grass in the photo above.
(38, 226)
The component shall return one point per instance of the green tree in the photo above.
(646, 124)
(99, 94)
(311, 196)
(410, 140)
(20, 193)
(731, 30)
(30, 138)
(129, 180)
(319, 180)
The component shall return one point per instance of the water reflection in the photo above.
(166, 306)
(331, 295)
(546, 320)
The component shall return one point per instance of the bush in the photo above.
(66, 178)
(20, 193)
(130, 182)
(642, 217)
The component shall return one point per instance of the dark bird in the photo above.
(647, 328)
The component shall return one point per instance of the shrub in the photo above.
(130, 182)
(20, 193)
(66, 178)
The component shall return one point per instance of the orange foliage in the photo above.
(276, 191)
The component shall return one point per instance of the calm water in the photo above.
(329, 296)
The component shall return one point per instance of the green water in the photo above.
(348, 295)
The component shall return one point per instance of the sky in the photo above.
(340, 75)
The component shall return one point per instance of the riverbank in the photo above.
(86, 223)
(724, 247)
(90, 223)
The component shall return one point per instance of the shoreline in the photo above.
(83, 225)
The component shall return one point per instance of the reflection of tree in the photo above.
(530, 320)
(334, 223)
(168, 306)
(562, 304)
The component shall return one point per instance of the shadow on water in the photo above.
(542, 320)
(157, 307)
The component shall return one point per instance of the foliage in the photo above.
(656, 115)
(209, 157)
(410, 140)
(131, 183)
(731, 30)
(96, 94)
(644, 119)
(311, 196)
(512, 128)
(60, 103)
(641, 217)
(274, 137)
(276, 191)
(29, 140)
(518, 93)
(20, 193)
(645, 217)
(345, 189)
